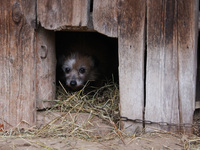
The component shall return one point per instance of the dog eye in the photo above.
(67, 70)
(82, 70)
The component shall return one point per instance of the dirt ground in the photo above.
(150, 141)
(161, 140)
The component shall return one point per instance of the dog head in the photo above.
(78, 69)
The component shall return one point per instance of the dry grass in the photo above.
(100, 102)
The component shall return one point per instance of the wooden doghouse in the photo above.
(157, 49)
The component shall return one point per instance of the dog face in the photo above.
(78, 69)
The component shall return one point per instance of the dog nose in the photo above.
(73, 83)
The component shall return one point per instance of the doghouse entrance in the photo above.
(100, 51)
(99, 104)
(85, 109)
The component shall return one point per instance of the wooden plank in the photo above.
(46, 68)
(105, 17)
(17, 64)
(162, 67)
(171, 62)
(59, 14)
(131, 18)
(187, 47)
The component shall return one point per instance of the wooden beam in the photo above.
(162, 68)
(187, 53)
(131, 30)
(46, 68)
(17, 64)
(171, 61)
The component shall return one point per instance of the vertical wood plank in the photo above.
(46, 68)
(171, 62)
(17, 64)
(131, 29)
(105, 17)
(187, 47)
(162, 57)
(59, 14)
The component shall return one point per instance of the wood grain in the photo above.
(171, 62)
(46, 68)
(60, 14)
(17, 64)
(131, 29)
(187, 47)
(105, 17)
(162, 99)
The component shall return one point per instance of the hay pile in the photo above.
(97, 104)
(90, 115)
(99, 107)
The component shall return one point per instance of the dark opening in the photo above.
(198, 69)
(91, 5)
(198, 72)
(196, 118)
(102, 50)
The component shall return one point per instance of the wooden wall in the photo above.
(157, 55)
(131, 37)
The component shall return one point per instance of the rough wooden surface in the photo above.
(131, 31)
(162, 68)
(46, 68)
(171, 62)
(17, 64)
(105, 17)
(187, 64)
(59, 14)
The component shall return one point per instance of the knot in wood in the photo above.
(44, 52)
(16, 12)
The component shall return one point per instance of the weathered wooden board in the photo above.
(171, 62)
(58, 14)
(162, 69)
(17, 64)
(131, 31)
(187, 26)
(105, 17)
(46, 68)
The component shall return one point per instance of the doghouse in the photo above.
(157, 50)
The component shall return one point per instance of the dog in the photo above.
(79, 69)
